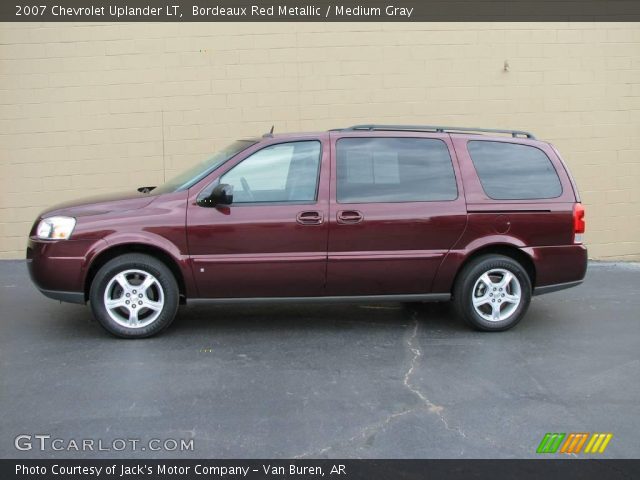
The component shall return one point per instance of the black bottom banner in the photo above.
(315, 469)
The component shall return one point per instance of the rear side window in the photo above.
(509, 171)
(394, 170)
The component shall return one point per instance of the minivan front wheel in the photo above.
(492, 293)
(134, 296)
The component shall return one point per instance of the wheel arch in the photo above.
(507, 250)
(114, 251)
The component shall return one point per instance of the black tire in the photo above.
(163, 294)
(470, 279)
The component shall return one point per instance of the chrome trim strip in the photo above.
(317, 256)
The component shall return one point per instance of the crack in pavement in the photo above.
(431, 407)
(365, 433)
(369, 430)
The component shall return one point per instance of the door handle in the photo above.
(350, 217)
(311, 217)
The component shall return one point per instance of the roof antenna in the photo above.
(270, 134)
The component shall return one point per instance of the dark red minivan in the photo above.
(371, 213)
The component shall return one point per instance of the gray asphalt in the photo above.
(336, 381)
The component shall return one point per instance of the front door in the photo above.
(397, 207)
(271, 241)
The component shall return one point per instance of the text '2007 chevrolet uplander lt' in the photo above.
(486, 218)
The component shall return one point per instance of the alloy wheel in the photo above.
(496, 295)
(134, 298)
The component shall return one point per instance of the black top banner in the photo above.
(318, 11)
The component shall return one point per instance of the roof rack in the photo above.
(439, 129)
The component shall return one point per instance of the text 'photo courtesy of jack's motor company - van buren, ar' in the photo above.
(164, 469)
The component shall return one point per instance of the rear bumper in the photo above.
(554, 288)
(558, 267)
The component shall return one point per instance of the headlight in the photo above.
(56, 228)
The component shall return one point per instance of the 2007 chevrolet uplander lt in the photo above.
(370, 212)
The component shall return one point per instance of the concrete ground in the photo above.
(346, 381)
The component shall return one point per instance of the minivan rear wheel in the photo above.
(134, 296)
(492, 293)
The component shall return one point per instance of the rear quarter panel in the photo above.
(541, 228)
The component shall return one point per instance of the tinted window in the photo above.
(394, 170)
(286, 172)
(509, 171)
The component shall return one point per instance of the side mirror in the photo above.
(221, 196)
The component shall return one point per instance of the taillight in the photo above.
(578, 222)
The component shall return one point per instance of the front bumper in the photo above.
(69, 297)
(58, 267)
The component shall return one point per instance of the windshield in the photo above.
(200, 170)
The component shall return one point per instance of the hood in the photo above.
(100, 204)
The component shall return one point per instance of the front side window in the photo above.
(511, 171)
(286, 172)
(394, 170)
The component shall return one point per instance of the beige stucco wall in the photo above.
(88, 108)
